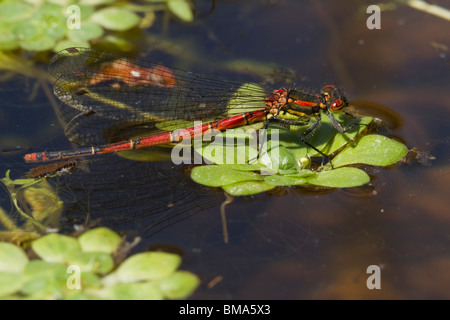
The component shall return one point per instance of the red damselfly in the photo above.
(113, 98)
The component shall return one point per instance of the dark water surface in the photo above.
(296, 244)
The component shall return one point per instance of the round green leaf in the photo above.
(10, 282)
(277, 158)
(341, 139)
(14, 11)
(181, 9)
(96, 2)
(96, 262)
(179, 285)
(51, 21)
(88, 31)
(133, 291)
(40, 43)
(373, 150)
(55, 247)
(145, 266)
(340, 178)
(217, 176)
(12, 258)
(117, 19)
(7, 39)
(100, 240)
(247, 188)
(47, 278)
(28, 29)
(90, 279)
(278, 180)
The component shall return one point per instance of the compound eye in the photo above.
(338, 104)
(334, 98)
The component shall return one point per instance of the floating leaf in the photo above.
(14, 11)
(179, 285)
(247, 188)
(51, 22)
(89, 31)
(340, 178)
(8, 40)
(375, 150)
(217, 176)
(134, 291)
(117, 19)
(326, 138)
(181, 9)
(46, 278)
(10, 282)
(96, 262)
(145, 266)
(55, 247)
(99, 240)
(96, 2)
(280, 180)
(12, 258)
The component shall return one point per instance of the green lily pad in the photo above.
(326, 138)
(12, 258)
(51, 22)
(77, 295)
(340, 178)
(117, 19)
(133, 291)
(234, 146)
(96, 262)
(375, 150)
(144, 266)
(90, 279)
(181, 9)
(55, 247)
(247, 188)
(8, 40)
(10, 282)
(179, 285)
(89, 31)
(282, 180)
(217, 176)
(96, 2)
(47, 278)
(37, 44)
(99, 240)
(14, 11)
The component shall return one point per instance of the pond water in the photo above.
(295, 243)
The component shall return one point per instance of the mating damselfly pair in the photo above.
(109, 93)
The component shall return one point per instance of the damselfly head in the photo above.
(335, 99)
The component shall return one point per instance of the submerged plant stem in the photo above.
(223, 217)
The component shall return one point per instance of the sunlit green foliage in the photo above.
(55, 25)
(85, 268)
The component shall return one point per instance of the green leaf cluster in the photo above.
(84, 268)
(242, 169)
(58, 24)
